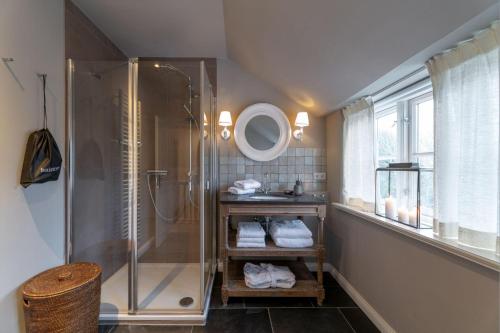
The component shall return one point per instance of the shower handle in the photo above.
(157, 174)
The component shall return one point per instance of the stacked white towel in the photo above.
(291, 234)
(268, 276)
(250, 234)
(246, 186)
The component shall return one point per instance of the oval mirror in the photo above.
(262, 132)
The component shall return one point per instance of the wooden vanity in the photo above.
(234, 258)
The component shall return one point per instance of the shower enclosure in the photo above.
(140, 200)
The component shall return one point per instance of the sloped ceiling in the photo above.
(161, 28)
(318, 52)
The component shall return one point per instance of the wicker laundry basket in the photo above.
(63, 299)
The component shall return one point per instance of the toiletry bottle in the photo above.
(298, 189)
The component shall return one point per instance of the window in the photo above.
(404, 131)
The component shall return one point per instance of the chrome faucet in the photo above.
(266, 187)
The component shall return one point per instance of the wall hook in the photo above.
(7, 59)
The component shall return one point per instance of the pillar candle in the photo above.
(412, 217)
(403, 215)
(390, 208)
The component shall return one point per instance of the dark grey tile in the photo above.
(308, 320)
(278, 302)
(336, 297)
(236, 321)
(106, 328)
(218, 280)
(359, 321)
(216, 301)
(152, 329)
(328, 280)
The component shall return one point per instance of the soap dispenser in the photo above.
(298, 189)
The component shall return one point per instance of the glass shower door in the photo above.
(207, 220)
(169, 187)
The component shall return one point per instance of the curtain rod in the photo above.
(404, 78)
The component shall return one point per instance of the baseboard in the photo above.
(363, 304)
(145, 247)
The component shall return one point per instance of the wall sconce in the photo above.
(205, 124)
(225, 120)
(301, 121)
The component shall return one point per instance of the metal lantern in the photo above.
(397, 194)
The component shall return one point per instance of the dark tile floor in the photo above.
(339, 314)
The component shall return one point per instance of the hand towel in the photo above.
(238, 191)
(293, 242)
(243, 243)
(250, 230)
(251, 239)
(289, 229)
(247, 184)
(268, 276)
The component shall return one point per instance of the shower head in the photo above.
(174, 69)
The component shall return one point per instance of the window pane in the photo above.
(425, 126)
(387, 131)
(427, 194)
(425, 161)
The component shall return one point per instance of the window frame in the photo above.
(404, 103)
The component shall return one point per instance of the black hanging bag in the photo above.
(42, 160)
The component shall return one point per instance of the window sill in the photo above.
(484, 258)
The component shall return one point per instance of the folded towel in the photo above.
(289, 229)
(293, 242)
(237, 190)
(250, 230)
(268, 276)
(240, 243)
(247, 184)
(250, 239)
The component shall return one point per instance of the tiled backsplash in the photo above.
(283, 171)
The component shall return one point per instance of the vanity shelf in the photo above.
(306, 284)
(271, 250)
(233, 258)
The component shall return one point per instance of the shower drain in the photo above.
(186, 301)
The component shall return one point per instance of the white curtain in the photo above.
(358, 188)
(466, 90)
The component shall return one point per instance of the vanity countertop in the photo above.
(306, 199)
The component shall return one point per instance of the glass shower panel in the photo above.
(98, 190)
(206, 102)
(168, 185)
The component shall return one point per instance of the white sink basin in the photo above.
(267, 197)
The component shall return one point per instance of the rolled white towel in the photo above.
(247, 184)
(250, 230)
(289, 229)
(293, 242)
(238, 191)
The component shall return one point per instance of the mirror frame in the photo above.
(262, 109)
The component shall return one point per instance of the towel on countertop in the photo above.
(289, 229)
(238, 191)
(250, 230)
(293, 242)
(247, 184)
(268, 276)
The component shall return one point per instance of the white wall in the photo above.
(31, 220)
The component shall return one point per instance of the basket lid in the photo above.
(61, 279)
